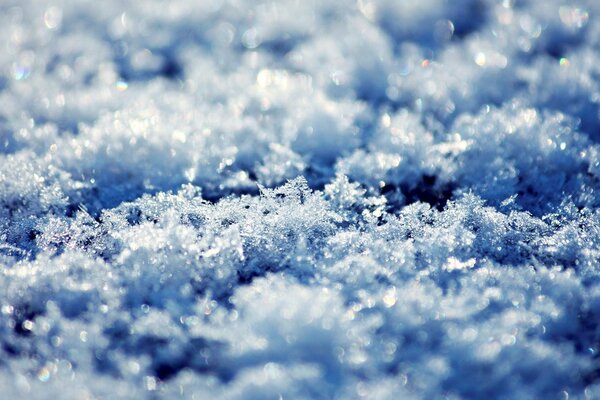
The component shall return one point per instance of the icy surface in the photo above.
(300, 199)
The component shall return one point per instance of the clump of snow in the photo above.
(319, 199)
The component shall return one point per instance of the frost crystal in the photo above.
(300, 199)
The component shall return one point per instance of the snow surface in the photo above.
(300, 199)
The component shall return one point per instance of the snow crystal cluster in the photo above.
(300, 199)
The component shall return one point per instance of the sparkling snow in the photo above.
(300, 199)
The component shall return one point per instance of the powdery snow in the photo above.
(300, 199)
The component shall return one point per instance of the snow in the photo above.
(300, 199)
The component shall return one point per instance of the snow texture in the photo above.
(243, 199)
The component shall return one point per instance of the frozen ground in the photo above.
(300, 199)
